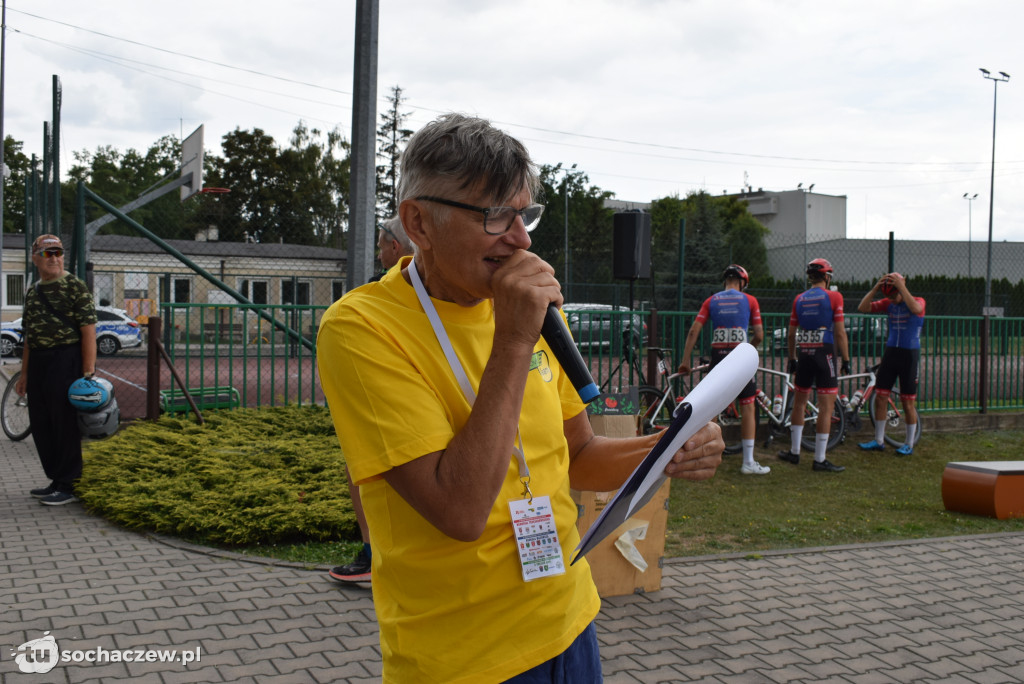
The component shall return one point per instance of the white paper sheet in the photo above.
(709, 398)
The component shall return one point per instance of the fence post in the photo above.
(153, 370)
(652, 341)
(892, 251)
(682, 253)
(983, 366)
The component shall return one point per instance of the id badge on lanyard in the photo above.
(533, 519)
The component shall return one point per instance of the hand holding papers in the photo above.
(707, 400)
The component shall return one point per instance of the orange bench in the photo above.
(991, 488)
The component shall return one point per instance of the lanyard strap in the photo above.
(460, 373)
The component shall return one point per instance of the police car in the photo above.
(115, 330)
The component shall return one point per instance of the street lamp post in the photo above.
(970, 203)
(1001, 78)
(987, 311)
(565, 192)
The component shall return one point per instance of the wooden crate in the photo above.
(990, 488)
(613, 574)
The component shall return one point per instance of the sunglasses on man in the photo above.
(55, 252)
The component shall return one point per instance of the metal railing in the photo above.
(273, 363)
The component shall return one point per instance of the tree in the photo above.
(589, 224)
(120, 178)
(251, 170)
(296, 195)
(391, 140)
(14, 187)
(705, 255)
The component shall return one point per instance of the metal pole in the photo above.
(363, 177)
(565, 191)
(568, 272)
(682, 253)
(3, 163)
(970, 206)
(996, 80)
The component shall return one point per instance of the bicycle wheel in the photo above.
(895, 426)
(14, 412)
(730, 420)
(655, 414)
(837, 430)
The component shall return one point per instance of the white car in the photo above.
(115, 330)
(10, 337)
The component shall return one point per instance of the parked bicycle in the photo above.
(778, 413)
(862, 401)
(14, 411)
(658, 405)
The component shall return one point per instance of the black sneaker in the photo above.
(828, 466)
(58, 499)
(789, 457)
(43, 492)
(356, 571)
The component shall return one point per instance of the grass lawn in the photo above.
(280, 490)
(880, 497)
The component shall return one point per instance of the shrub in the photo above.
(248, 476)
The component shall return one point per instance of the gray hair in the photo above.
(394, 226)
(456, 152)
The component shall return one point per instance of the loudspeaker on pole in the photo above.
(631, 248)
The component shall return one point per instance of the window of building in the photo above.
(103, 288)
(295, 292)
(15, 290)
(256, 291)
(182, 288)
(136, 285)
(337, 289)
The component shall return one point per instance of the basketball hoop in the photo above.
(216, 191)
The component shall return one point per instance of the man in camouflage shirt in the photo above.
(59, 324)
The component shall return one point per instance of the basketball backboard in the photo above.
(192, 162)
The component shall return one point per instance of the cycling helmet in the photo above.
(738, 272)
(90, 394)
(100, 424)
(819, 267)
(889, 288)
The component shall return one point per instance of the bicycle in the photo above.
(657, 406)
(895, 427)
(779, 414)
(14, 411)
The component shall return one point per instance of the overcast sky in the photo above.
(879, 101)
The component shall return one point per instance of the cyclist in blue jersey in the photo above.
(901, 357)
(732, 311)
(816, 325)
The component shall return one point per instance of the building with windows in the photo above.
(135, 274)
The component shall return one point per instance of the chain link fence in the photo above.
(242, 315)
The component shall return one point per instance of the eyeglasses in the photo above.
(55, 252)
(500, 219)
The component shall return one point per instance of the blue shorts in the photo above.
(578, 664)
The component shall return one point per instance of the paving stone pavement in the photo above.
(938, 610)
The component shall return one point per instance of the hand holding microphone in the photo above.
(556, 334)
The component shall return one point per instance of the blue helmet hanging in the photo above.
(90, 395)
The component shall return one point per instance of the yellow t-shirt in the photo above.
(449, 611)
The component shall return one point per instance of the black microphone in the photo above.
(556, 334)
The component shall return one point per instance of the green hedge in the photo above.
(248, 476)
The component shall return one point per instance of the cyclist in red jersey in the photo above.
(731, 312)
(817, 324)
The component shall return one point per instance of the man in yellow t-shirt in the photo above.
(446, 402)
